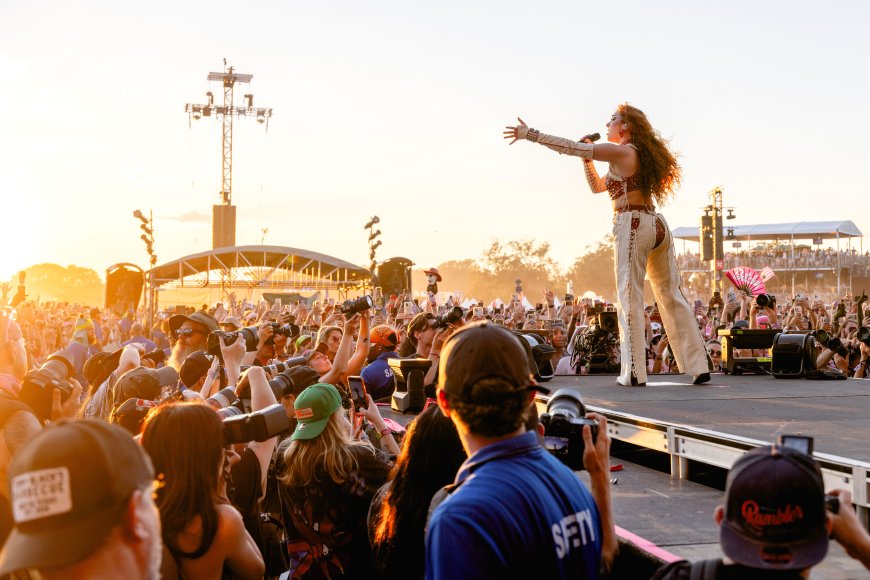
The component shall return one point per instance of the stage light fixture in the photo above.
(730, 215)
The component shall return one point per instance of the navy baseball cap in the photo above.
(775, 510)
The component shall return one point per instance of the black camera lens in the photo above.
(288, 330)
(249, 334)
(279, 383)
(821, 337)
(38, 385)
(361, 304)
(452, 316)
(836, 345)
(765, 300)
(157, 356)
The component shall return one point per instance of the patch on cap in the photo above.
(41, 494)
(305, 413)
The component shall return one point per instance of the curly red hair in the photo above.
(660, 173)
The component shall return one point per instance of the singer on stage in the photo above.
(643, 172)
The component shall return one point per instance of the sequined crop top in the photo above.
(617, 185)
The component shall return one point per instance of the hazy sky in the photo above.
(396, 109)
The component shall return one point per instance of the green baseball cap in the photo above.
(313, 408)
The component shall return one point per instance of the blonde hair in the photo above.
(333, 451)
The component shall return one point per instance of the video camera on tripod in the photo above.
(595, 347)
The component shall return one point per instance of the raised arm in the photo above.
(604, 152)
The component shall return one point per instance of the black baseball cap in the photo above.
(67, 490)
(144, 383)
(775, 510)
(194, 367)
(483, 350)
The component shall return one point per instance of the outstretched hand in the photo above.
(513, 132)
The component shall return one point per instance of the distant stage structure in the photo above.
(251, 270)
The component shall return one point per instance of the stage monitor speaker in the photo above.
(792, 355)
(394, 276)
(124, 285)
(409, 374)
(540, 355)
(746, 339)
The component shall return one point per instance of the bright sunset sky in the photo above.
(397, 108)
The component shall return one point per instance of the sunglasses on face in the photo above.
(715, 353)
(186, 332)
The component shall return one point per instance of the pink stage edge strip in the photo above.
(647, 546)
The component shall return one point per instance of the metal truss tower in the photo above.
(224, 214)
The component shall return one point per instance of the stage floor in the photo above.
(835, 413)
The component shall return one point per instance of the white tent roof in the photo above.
(796, 230)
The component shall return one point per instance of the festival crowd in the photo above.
(235, 440)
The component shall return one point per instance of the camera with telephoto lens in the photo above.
(259, 425)
(452, 316)
(289, 330)
(765, 301)
(278, 367)
(829, 342)
(158, 355)
(36, 391)
(250, 334)
(361, 304)
(563, 427)
(280, 382)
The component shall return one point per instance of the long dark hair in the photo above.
(184, 442)
(431, 456)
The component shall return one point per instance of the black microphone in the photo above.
(593, 137)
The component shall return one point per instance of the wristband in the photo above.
(384, 432)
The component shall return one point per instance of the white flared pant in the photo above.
(634, 233)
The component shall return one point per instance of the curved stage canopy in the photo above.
(259, 267)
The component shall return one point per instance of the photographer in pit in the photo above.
(515, 511)
(774, 522)
(347, 362)
(190, 334)
(424, 340)
(185, 443)
(103, 371)
(848, 355)
(243, 474)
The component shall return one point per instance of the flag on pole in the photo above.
(767, 273)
